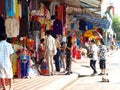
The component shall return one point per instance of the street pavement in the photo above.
(95, 82)
(81, 75)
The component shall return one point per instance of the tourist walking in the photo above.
(102, 58)
(6, 51)
(93, 53)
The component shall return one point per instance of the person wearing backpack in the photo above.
(102, 58)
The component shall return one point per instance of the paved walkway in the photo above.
(56, 82)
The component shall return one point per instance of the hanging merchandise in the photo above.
(37, 24)
(17, 9)
(33, 5)
(2, 24)
(9, 7)
(89, 25)
(82, 25)
(25, 9)
(2, 7)
(23, 27)
(12, 27)
(92, 34)
(78, 54)
(57, 28)
(25, 62)
(52, 7)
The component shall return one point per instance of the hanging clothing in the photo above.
(2, 7)
(82, 25)
(57, 27)
(60, 12)
(25, 65)
(34, 5)
(89, 25)
(23, 27)
(37, 26)
(17, 9)
(24, 9)
(2, 27)
(9, 7)
(12, 27)
(52, 7)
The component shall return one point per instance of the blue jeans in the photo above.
(57, 60)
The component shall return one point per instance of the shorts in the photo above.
(6, 73)
(102, 64)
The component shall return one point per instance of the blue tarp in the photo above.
(98, 22)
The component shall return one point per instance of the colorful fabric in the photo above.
(82, 25)
(2, 7)
(57, 28)
(9, 6)
(12, 27)
(25, 65)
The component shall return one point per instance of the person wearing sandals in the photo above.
(6, 52)
(102, 58)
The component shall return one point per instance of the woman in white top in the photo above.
(94, 51)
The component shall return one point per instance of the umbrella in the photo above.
(92, 34)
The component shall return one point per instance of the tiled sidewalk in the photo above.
(55, 82)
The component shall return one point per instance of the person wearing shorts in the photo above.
(102, 58)
(6, 51)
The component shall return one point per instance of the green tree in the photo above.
(116, 26)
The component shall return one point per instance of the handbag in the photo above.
(90, 55)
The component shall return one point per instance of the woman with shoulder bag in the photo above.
(94, 56)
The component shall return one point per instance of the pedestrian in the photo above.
(50, 51)
(63, 55)
(68, 55)
(6, 52)
(94, 56)
(41, 52)
(57, 56)
(102, 57)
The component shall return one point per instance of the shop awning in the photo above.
(93, 6)
(98, 22)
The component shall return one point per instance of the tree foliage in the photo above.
(116, 26)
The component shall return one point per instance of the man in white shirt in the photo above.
(50, 51)
(5, 61)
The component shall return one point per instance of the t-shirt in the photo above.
(102, 52)
(5, 51)
(95, 50)
(50, 44)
